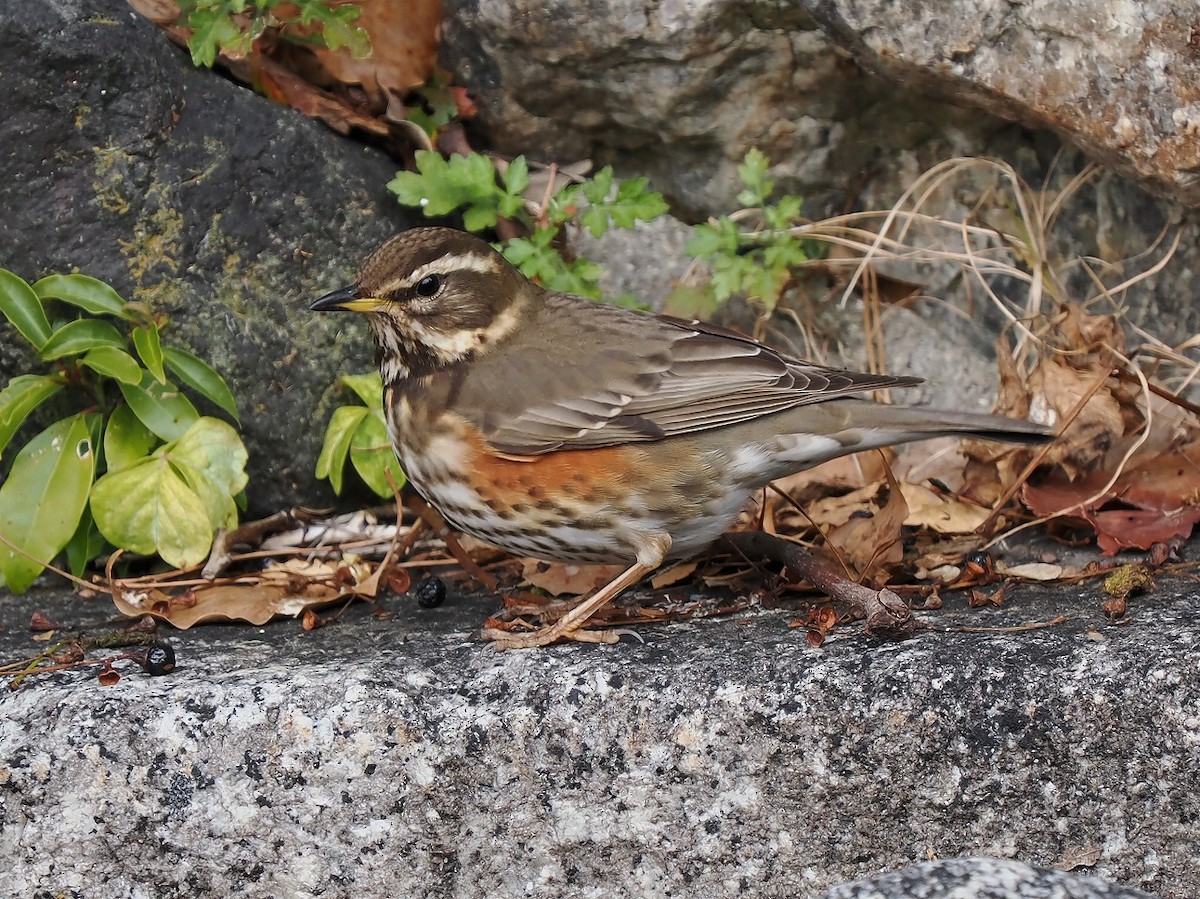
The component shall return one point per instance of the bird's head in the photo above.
(434, 297)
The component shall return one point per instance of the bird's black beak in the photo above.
(337, 301)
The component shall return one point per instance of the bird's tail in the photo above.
(808, 435)
(917, 423)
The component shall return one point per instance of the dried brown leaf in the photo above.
(1162, 489)
(285, 590)
(160, 12)
(944, 514)
(871, 537)
(558, 579)
(673, 575)
(404, 40)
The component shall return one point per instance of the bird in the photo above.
(567, 430)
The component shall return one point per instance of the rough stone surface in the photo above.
(679, 91)
(226, 212)
(644, 262)
(667, 83)
(981, 878)
(1115, 77)
(717, 758)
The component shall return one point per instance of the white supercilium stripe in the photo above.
(444, 265)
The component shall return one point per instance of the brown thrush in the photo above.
(566, 430)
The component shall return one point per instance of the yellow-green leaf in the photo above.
(342, 425)
(43, 498)
(214, 449)
(20, 396)
(222, 513)
(22, 307)
(201, 377)
(78, 337)
(113, 362)
(84, 292)
(126, 440)
(373, 457)
(150, 509)
(160, 406)
(149, 348)
(369, 388)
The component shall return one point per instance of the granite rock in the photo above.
(725, 757)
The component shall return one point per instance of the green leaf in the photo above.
(43, 499)
(201, 377)
(198, 474)
(438, 107)
(212, 31)
(342, 425)
(161, 407)
(126, 440)
(784, 254)
(579, 277)
(753, 173)
(149, 348)
(21, 306)
(480, 218)
(783, 214)
(731, 274)
(336, 28)
(373, 457)
(690, 301)
(516, 176)
(409, 188)
(218, 505)
(78, 337)
(441, 186)
(630, 203)
(368, 387)
(22, 395)
(113, 363)
(719, 238)
(150, 509)
(517, 250)
(595, 219)
(599, 187)
(213, 448)
(85, 545)
(85, 292)
(509, 205)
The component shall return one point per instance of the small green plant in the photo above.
(234, 26)
(471, 186)
(756, 264)
(135, 465)
(359, 433)
(436, 105)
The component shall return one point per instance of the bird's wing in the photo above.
(631, 377)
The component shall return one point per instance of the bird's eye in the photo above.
(429, 285)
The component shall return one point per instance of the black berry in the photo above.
(160, 659)
(430, 593)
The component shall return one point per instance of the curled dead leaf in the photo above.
(1155, 500)
(1031, 571)
(942, 513)
(404, 41)
(871, 537)
(285, 590)
(558, 579)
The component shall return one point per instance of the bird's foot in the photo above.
(570, 625)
